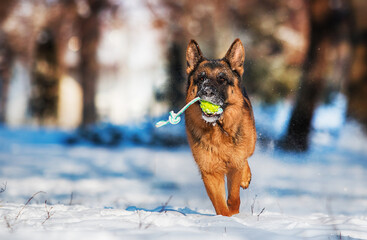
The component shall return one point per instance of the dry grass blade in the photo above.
(3, 188)
(48, 211)
(8, 224)
(29, 200)
(331, 215)
(166, 204)
(253, 205)
(258, 215)
(71, 198)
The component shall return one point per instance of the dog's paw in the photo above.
(246, 178)
(245, 185)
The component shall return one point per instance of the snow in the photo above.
(143, 192)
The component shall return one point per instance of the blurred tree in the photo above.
(6, 57)
(357, 84)
(174, 87)
(174, 90)
(55, 23)
(5, 9)
(45, 79)
(89, 34)
(47, 60)
(328, 25)
(183, 21)
(6, 60)
(276, 36)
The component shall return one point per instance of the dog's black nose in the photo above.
(208, 91)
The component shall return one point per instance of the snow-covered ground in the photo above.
(136, 192)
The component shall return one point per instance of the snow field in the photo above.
(91, 192)
(318, 195)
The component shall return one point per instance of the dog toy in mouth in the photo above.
(207, 107)
(210, 108)
(175, 118)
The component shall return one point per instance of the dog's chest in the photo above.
(217, 144)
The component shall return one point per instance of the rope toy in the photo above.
(207, 107)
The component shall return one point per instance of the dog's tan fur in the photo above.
(221, 149)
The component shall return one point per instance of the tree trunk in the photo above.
(6, 58)
(174, 90)
(325, 24)
(45, 79)
(89, 39)
(357, 84)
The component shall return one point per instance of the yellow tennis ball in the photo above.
(210, 108)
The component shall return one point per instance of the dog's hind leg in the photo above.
(215, 187)
(234, 178)
(246, 176)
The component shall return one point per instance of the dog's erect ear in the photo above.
(193, 56)
(236, 56)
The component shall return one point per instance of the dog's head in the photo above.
(216, 81)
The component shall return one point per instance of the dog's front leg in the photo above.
(215, 187)
(246, 176)
(234, 178)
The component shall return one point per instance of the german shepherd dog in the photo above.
(220, 143)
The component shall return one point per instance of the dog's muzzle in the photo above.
(208, 92)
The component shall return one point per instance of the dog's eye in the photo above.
(201, 76)
(222, 79)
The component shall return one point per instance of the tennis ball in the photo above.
(210, 108)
